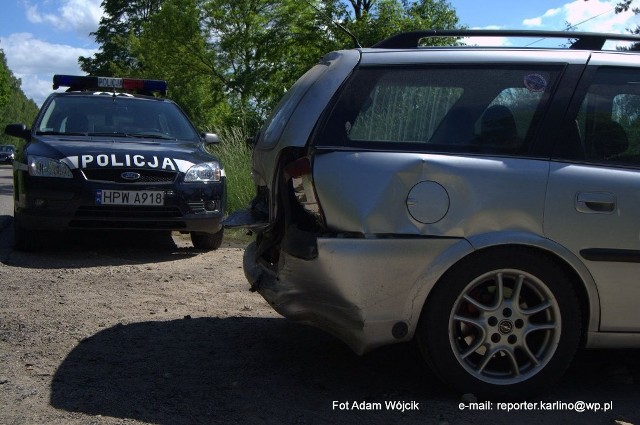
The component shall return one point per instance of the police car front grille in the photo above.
(128, 212)
(124, 224)
(116, 217)
(114, 175)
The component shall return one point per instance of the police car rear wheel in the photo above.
(207, 241)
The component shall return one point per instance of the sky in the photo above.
(45, 37)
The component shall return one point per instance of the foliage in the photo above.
(235, 155)
(14, 105)
(122, 20)
(385, 18)
(172, 47)
(5, 81)
(228, 62)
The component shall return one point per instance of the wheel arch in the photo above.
(579, 276)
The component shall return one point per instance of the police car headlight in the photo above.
(206, 172)
(40, 166)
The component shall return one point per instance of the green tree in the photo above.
(172, 47)
(228, 62)
(261, 47)
(361, 7)
(5, 80)
(14, 105)
(384, 18)
(122, 21)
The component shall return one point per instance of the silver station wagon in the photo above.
(483, 201)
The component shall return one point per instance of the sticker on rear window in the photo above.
(535, 83)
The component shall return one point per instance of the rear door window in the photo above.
(491, 109)
(605, 130)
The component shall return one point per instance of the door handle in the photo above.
(595, 202)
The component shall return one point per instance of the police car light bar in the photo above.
(75, 82)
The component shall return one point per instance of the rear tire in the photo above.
(480, 339)
(207, 241)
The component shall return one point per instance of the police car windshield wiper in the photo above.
(109, 134)
(134, 135)
(61, 133)
(152, 135)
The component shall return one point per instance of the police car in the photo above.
(108, 154)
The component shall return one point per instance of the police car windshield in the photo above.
(123, 116)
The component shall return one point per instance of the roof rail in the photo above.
(584, 40)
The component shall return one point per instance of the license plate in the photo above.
(129, 197)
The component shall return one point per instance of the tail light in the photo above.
(300, 174)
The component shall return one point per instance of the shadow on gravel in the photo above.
(234, 370)
(263, 371)
(80, 249)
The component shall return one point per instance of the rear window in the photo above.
(470, 109)
(280, 116)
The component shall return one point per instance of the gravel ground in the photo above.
(118, 328)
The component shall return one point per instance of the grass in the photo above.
(235, 155)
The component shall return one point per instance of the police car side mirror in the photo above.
(17, 130)
(210, 139)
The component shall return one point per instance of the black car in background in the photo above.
(109, 154)
(7, 153)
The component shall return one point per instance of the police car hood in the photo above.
(91, 152)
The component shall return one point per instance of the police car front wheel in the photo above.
(207, 241)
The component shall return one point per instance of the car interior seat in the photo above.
(608, 140)
(458, 127)
(498, 128)
(77, 123)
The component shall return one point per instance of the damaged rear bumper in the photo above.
(366, 292)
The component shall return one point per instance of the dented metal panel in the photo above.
(358, 289)
(369, 192)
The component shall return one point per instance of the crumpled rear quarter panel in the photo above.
(357, 289)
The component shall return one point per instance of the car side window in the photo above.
(491, 109)
(403, 111)
(607, 125)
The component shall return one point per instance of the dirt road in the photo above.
(108, 328)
